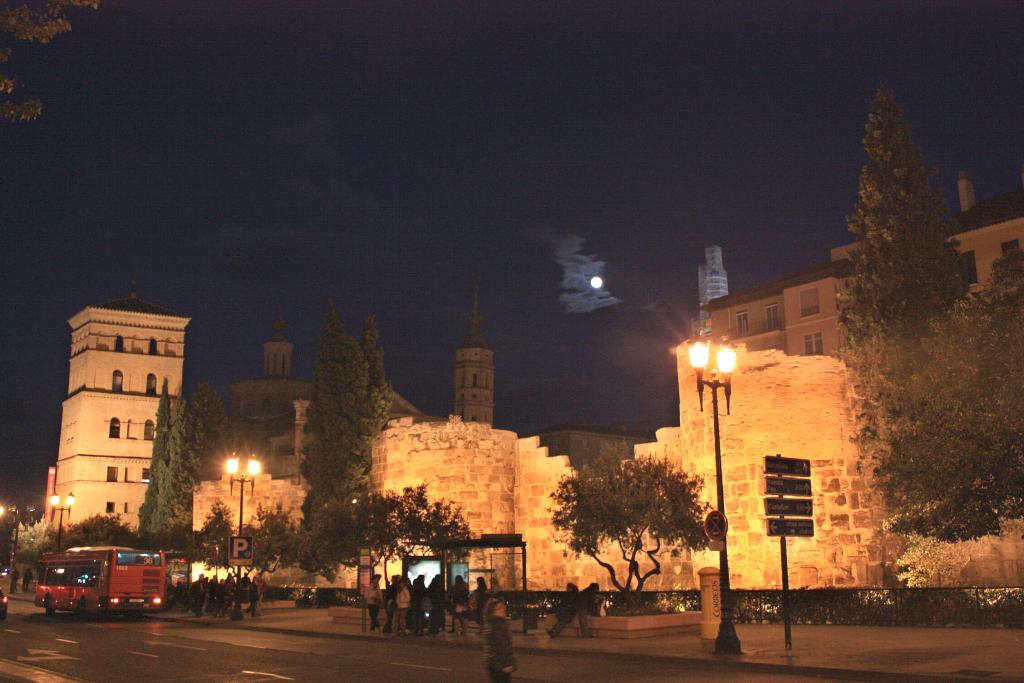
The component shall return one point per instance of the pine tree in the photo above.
(149, 521)
(336, 459)
(379, 393)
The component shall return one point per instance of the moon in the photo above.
(596, 282)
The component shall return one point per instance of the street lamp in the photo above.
(252, 468)
(69, 500)
(17, 512)
(727, 643)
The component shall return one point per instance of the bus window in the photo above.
(56, 576)
(136, 558)
(84, 576)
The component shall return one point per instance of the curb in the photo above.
(727, 661)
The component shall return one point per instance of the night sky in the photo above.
(241, 157)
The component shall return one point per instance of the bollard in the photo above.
(710, 602)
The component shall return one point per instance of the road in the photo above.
(127, 650)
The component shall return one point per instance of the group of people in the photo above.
(217, 598)
(418, 608)
(578, 605)
(26, 580)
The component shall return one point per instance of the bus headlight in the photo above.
(156, 601)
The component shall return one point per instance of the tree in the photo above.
(277, 540)
(100, 530)
(35, 539)
(179, 477)
(38, 22)
(211, 546)
(149, 514)
(954, 468)
(926, 562)
(632, 508)
(208, 426)
(378, 389)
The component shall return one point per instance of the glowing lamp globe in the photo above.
(699, 355)
(70, 500)
(55, 500)
(726, 361)
(254, 467)
(232, 465)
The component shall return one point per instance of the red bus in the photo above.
(102, 580)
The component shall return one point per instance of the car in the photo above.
(3, 605)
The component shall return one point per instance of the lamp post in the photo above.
(14, 546)
(727, 642)
(252, 468)
(69, 500)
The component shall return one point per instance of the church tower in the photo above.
(122, 352)
(474, 372)
(277, 353)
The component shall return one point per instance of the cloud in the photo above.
(577, 268)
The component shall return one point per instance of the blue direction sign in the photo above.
(788, 507)
(791, 527)
(793, 467)
(784, 486)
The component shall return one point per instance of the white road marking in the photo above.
(65, 640)
(43, 656)
(183, 647)
(11, 630)
(267, 673)
(24, 672)
(419, 666)
(142, 654)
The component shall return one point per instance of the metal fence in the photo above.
(979, 607)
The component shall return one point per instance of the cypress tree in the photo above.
(378, 390)
(149, 521)
(179, 477)
(208, 424)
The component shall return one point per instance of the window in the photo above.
(474, 379)
(151, 384)
(772, 319)
(149, 431)
(111, 474)
(126, 508)
(152, 347)
(110, 507)
(968, 268)
(126, 474)
(809, 303)
(115, 431)
(1009, 246)
(117, 382)
(813, 345)
(119, 343)
(145, 474)
(137, 558)
(742, 323)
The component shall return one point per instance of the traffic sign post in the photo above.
(240, 551)
(716, 526)
(787, 477)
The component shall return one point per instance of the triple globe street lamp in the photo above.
(720, 377)
(252, 468)
(55, 504)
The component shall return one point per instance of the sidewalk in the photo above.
(850, 652)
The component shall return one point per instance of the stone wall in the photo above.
(266, 491)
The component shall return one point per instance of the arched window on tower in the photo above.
(115, 428)
(117, 383)
(149, 431)
(151, 384)
(152, 347)
(119, 343)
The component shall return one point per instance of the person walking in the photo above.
(389, 604)
(477, 601)
(499, 661)
(567, 608)
(419, 606)
(585, 609)
(15, 575)
(26, 581)
(374, 599)
(196, 595)
(254, 598)
(460, 604)
(435, 593)
(403, 598)
(230, 594)
(212, 596)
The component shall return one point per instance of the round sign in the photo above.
(716, 525)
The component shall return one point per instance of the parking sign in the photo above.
(240, 551)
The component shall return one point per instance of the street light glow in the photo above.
(254, 466)
(54, 500)
(232, 465)
(70, 500)
(699, 355)
(726, 360)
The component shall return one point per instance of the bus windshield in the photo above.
(136, 558)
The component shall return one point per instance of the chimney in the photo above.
(966, 188)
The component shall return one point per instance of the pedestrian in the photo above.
(26, 580)
(374, 599)
(196, 594)
(254, 598)
(15, 575)
(460, 604)
(420, 605)
(403, 598)
(566, 610)
(588, 602)
(435, 593)
(230, 593)
(389, 603)
(498, 657)
(477, 601)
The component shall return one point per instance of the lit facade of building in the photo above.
(712, 283)
(474, 373)
(121, 354)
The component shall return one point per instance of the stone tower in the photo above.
(474, 372)
(277, 353)
(122, 352)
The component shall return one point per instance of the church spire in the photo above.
(474, 371)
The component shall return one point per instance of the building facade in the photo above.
(712, 283)
(122, 352)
